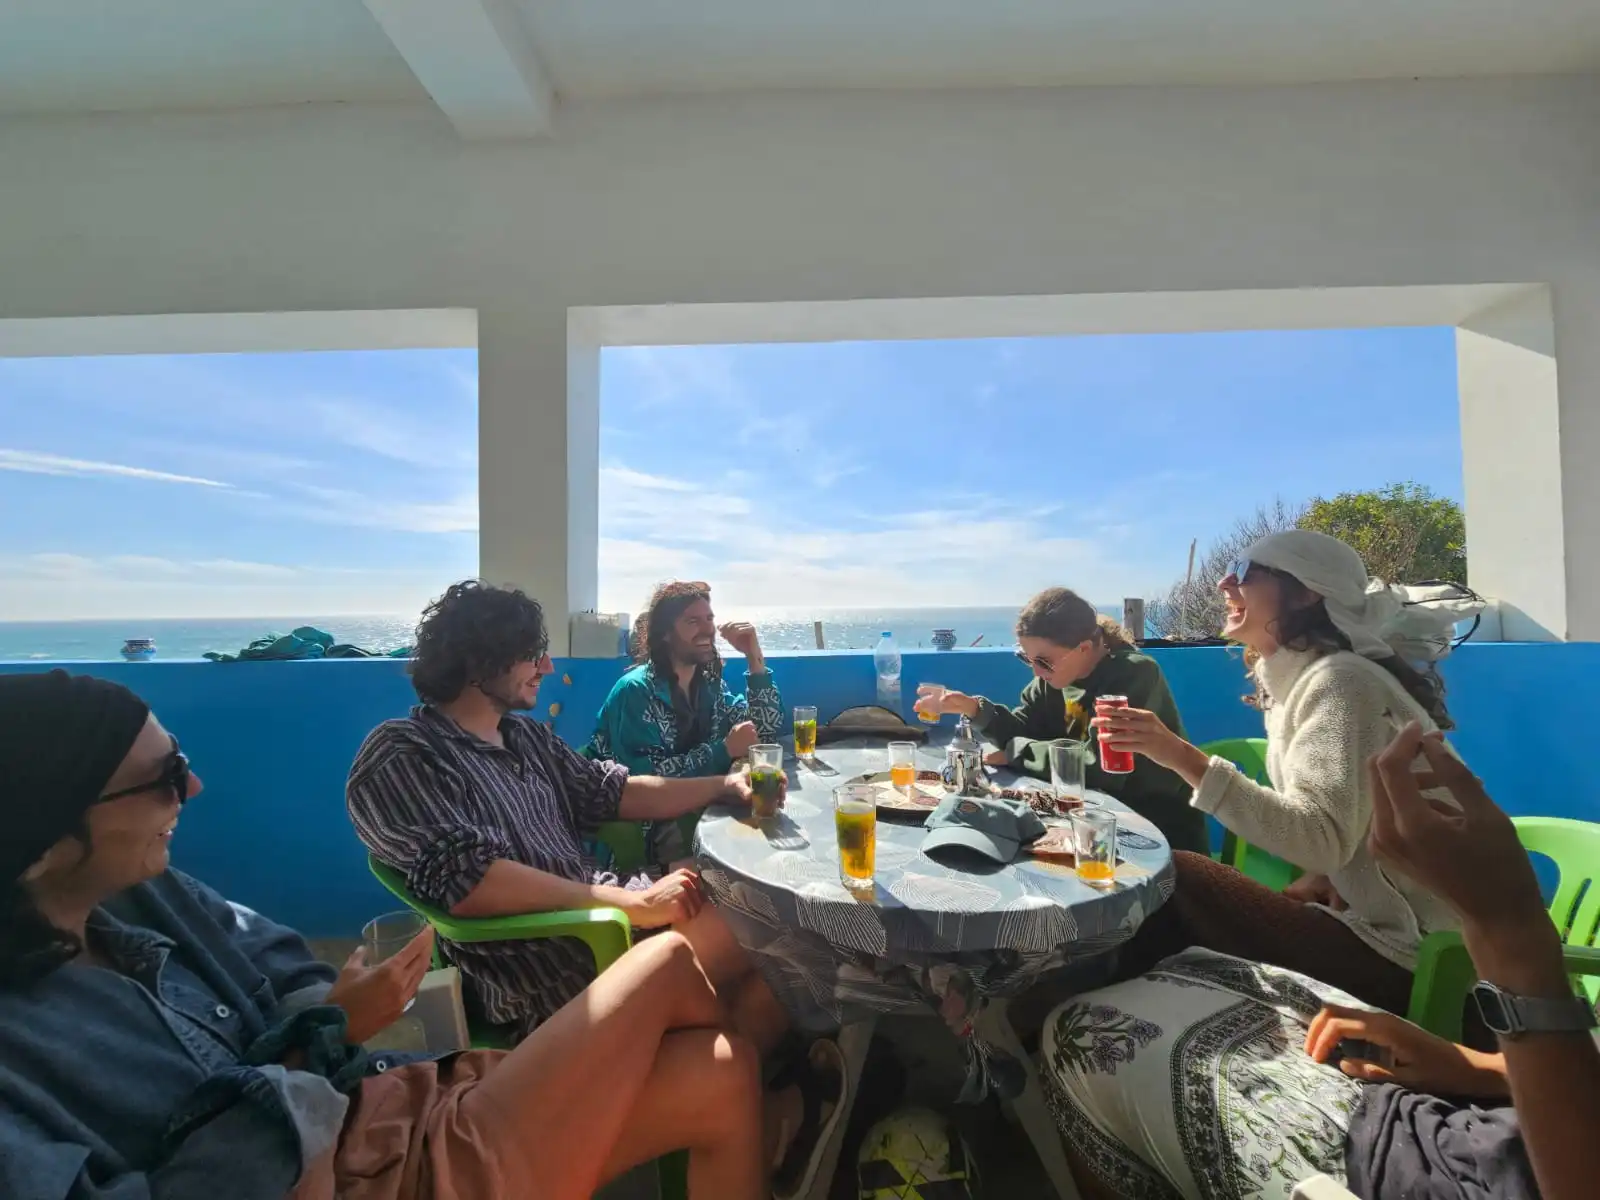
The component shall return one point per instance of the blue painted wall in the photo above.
(273, 742)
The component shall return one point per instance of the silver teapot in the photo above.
(963, 763)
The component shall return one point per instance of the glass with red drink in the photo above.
(1113, 762)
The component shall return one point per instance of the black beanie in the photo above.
(62, 738)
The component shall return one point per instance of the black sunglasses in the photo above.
(1040, 661)
(174, 775)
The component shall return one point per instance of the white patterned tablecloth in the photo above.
(929, 934)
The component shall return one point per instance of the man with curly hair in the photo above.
(485, 811)
(674, 714)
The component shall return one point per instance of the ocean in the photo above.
(781, 629)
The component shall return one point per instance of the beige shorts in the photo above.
(406, 1138)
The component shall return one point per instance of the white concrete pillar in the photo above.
(1577, 340)
(1529, 377)
(1511, 452)
(539, 459)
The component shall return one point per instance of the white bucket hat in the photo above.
(1365, 610)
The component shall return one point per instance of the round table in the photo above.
(929, 933)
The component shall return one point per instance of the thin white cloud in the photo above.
(671, 376)
(145, 564)
(446, 443)
(30, 462)
(237, 462)
(233, 568)
(48, 566)
(985, 550)
(139, 567)
(340, 506)
(65, 586)
(659, 509)
(465, 381)
(625, 478)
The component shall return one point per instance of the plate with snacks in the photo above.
(926, 792)
(1042, 802)
(1056, 844)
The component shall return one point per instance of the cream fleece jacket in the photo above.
(1325, 716)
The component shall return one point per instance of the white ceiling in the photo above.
(495, 66)
(632, 47)
(98, 55)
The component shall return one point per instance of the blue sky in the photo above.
(976, 472)
(850, 474)
(236, 485)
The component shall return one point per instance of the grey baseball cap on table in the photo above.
(996, 829)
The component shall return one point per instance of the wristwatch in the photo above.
(1510, 1015)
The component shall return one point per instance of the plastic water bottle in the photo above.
(886, 658)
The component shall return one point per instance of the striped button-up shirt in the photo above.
(440, 805)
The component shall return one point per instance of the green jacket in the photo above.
(638, 727)
(1061, 715)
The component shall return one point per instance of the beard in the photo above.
(687, 654)
(509, 699)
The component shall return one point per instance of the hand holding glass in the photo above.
(930, 697)
(766, 780)
(1113, 762)
(386, 936)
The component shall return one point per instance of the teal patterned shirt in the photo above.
(638, 728)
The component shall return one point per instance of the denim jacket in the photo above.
(128, 1084)
(638, 728)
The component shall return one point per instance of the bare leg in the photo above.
(752, 1008)
(752, 1011)
(567, 1097)
(1216, 907)
(719, 952)
(703, 1093)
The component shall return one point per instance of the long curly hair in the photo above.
(473, 633)
(1310, 628)
(1061, 616)
(652, 632)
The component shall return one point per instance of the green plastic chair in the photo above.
(1250, 756)
(626, 842)
(1445, 973)
(606, 931)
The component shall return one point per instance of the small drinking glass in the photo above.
(929, 697)
(1066, 778)
(386, 936)
(855, 822)
(805, 732)
(766, 780)
(1094, 834)
(903, 767)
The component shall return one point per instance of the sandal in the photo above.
(822, 1079)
